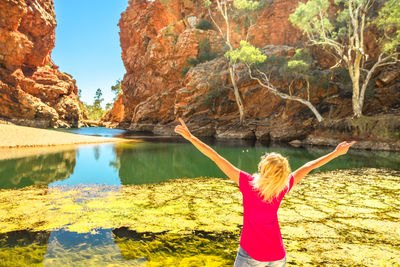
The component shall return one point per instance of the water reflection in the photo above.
(156, 162)
(86, 249)
(94, 165)
(37, 170)
(144, 163)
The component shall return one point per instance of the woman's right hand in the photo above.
(183, 130)
(343, 147)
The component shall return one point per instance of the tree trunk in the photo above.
(237, 95)
(311, 107)
(356, 98)
(354, 71)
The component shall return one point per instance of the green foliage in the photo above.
(388, 22)
(109, 106)
(204, 25)
(95, 111)
(273, 59)
(246, 53)
(312, 18)
(204, 46)
(248, 5)
(98, 98)
(185, 70)
(117, 89)
(193, 61)
(205, 54)
(298, 66)
(207, 3)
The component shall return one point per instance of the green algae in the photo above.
(195, 249)
(346, 217)
(23, 248)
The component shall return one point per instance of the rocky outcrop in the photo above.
(32, 90)
(159, 37)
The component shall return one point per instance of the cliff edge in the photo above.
(174, 68)
(33, 91)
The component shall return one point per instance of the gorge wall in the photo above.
(159, 37)
(33, 91)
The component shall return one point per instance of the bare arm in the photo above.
(226, 167)
(301, 172)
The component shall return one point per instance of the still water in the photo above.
(156, 160)
(150, 162)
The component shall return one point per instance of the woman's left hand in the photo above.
(183, 130)
(343, 147)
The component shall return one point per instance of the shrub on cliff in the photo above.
(193, 61)
(205, 53)
(204, 25)
(185, 70)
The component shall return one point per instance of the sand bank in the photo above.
(13, 136)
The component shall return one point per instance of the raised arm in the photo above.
(231, 171)
(341, 149)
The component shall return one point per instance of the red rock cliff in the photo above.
(32, 91)
(157, 39)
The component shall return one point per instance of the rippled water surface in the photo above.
(128, 204)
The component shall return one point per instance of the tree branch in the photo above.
(276, 92)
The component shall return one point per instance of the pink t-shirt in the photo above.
(261, 236)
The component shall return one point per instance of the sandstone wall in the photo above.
(158, 38)
(32, 90)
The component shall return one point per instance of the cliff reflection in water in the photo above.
(144, 163)
(36, 170)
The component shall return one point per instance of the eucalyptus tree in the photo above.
(252, 57)
(344, 36)
(226, 9)
(117, 89)
(298, 68)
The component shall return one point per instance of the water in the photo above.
(107, 175)
(159, 159)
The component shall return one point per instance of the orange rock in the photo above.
(157, 39)
(32, 91)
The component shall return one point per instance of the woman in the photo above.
(261, 241)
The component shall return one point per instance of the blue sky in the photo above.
(87, 44)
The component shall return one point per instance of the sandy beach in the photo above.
(13, 136)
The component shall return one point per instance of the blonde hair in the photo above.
(272, 177)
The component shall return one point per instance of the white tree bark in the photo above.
(352, 54)
(265, 82)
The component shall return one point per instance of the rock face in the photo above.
(32, 90)
(159, 37)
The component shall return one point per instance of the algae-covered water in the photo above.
(144, 204)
